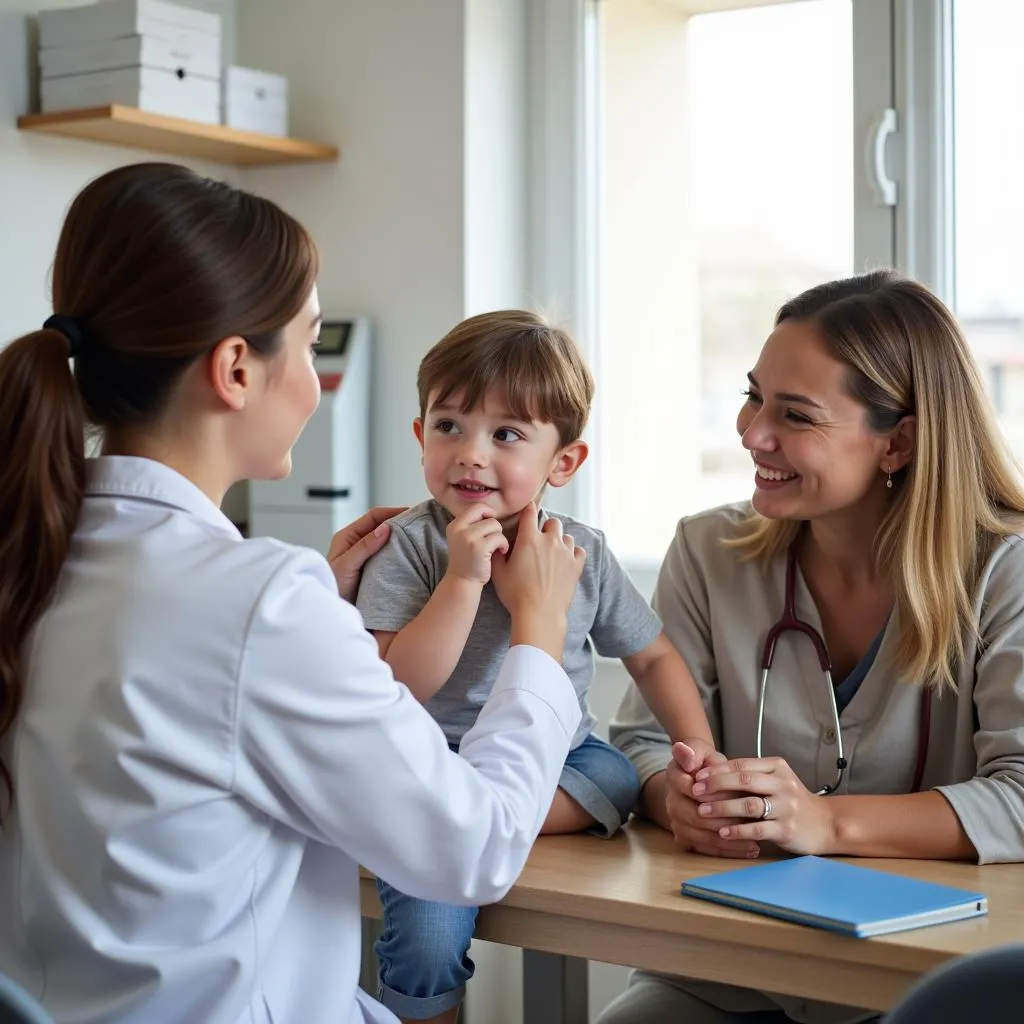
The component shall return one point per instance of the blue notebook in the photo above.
(840, 897)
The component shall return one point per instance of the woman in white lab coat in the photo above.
(198, 741)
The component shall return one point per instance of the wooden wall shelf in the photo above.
(140, 129)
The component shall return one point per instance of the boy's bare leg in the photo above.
(565, 815)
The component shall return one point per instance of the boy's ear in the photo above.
(567, 461)
(417, 429)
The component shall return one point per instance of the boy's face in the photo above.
(489, 457)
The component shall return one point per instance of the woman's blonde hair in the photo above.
(908, 357)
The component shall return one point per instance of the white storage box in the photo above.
(114, 19)
(194, 53)
(162, 92)
(255, 101)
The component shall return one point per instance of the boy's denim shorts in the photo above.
(424, 948)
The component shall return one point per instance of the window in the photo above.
(988, 160)
(727, 181)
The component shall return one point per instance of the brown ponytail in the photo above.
(157, 265)
(42, 478)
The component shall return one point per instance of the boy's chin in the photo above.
(510, 520)
(456, 505)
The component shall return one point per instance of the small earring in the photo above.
(888, 483)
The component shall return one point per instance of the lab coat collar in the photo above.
(139, 479)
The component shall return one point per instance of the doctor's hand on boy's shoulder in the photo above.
(352, 545)
(473, 537)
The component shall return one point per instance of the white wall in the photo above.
(384, 81)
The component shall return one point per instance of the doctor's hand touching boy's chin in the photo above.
(352, 545)
(536, 581)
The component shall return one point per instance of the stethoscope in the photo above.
(790, 623)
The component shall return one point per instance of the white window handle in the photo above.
(883, 186)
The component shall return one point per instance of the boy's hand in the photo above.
(691, 829)
(473, 537)
(692, 754)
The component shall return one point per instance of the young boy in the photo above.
(504, 399)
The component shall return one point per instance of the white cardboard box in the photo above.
(194, 52)
(256, 119)
(114, 19)
(255, 101)
(162, 92)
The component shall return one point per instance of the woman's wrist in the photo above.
(537, 627)
(831, 836)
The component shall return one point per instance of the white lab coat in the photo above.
(208, 747)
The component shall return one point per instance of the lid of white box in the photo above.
(111, 19)
(239, 79)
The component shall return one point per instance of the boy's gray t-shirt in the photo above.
(607, 613)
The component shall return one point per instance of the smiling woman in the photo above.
(882, 479)
(814, 449)
(882, 382)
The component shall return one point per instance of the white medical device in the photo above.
(329, 485)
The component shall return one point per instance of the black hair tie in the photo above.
(72, 327)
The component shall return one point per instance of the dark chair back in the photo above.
(980, 988)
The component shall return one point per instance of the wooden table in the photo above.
(581, 898)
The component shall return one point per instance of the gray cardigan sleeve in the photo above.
(681, 601)
(990, 805)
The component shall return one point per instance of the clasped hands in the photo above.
(716, 806)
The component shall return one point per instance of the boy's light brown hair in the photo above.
(535, 367)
